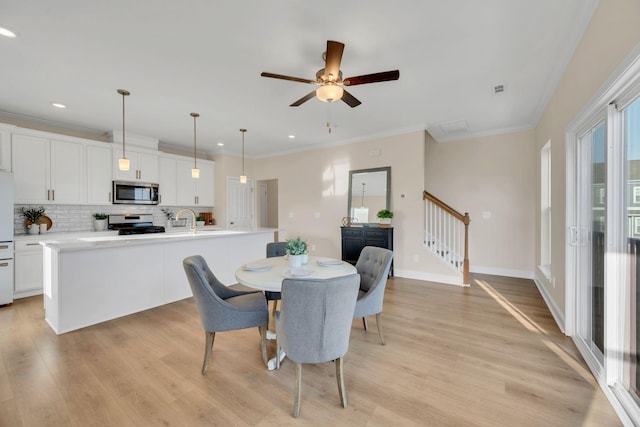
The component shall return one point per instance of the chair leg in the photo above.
(275, 307)
(340, 378)
(277, 353)
(298, 391)
(379, 325)
(364, 323)
(263, 343)
(210, 336)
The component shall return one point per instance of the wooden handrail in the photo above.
(465, 220)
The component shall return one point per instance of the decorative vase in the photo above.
(386, 221)
(99, 224)
(305, 258)
(33, 229)
(295, 261)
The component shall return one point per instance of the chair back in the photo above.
(275, 249)
(373, 267)
(316, 316)
(209, 295)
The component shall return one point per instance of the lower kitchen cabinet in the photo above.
(28, 278)
(356, 238)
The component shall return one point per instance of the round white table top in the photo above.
(267, 274)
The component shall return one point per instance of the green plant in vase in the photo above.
(32, 216)
(385, 215)
(297, 251)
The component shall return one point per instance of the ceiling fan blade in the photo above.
(333, 58)
(303, 99)
(372, 78)
(350, 100)
(282, 77)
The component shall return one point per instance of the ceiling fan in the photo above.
(330, 81)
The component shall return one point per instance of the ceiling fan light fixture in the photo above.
(329, 93)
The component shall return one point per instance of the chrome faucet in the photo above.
(193, 223)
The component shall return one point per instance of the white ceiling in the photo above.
(178, 57)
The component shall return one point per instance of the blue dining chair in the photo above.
(314, 325)
(373, 267)
(223, 309)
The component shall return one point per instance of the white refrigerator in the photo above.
(6, 238)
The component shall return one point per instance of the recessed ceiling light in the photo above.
(7, 33)
(220, 144)
(292, 136)
(58, 105)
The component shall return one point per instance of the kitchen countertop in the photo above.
(98, 240)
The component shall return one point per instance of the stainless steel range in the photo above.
(133, 224)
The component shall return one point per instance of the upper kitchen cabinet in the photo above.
(143, 165)
(167, 181)
(195, 191)
(47, 170)
(99, 174)
(5, 147)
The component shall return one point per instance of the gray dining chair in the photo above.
(223, 309)
(275, 249)
(314, 325)
(373, 267)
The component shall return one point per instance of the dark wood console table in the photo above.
(356, 238)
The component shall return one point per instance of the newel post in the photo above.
(465, 271)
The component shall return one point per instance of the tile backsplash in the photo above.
(71, 218)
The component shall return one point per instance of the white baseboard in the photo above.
(557, 314)
(25, 294)
(521, 274)
(421, 275)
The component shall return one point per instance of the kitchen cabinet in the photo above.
(195, 191)
(5, 148)
(356, 238)
(47, 171)
(143, 165)
(99, 172)
(28, 268)
(168, 181)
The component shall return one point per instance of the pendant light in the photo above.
(123, 163)
(243, 177)
(195, 172)
(362, 203)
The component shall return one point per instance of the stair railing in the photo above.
(447, 233)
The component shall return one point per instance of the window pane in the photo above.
(598, 210)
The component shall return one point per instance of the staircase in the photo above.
(447, 234)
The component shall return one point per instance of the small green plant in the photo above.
(385, 213)
(32, 214)
(167, 213)
(100, 216)
(296, 246)
(199, 218)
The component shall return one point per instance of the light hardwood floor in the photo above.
(488, 355)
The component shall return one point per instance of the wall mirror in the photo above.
(369, 192)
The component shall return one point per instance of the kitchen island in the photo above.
(89, 280)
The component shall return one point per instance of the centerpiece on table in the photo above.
(297, 251)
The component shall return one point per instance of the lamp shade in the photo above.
(123, 164)
(195, 173)
(243, 179)
(329, 92)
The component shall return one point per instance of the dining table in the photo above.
(267, 274)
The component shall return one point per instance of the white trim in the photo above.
(520, 274)
(551, 305)
(479, 134)
(430, 277)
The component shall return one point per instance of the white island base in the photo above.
(87, 282)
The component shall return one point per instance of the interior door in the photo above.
(240, 203)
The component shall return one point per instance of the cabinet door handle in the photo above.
(53, 194)
(4, 264)
(48, 194)
(109, 195)
(33, 244)
(160, 198)
(4, 247)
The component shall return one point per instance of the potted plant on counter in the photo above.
(200, 220)
(385, 216)
(32, 216)
(100, 221)
(296, 249)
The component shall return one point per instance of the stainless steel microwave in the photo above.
(135, 193)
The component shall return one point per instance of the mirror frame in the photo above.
(386, 169)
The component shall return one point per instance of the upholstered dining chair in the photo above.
(223, 309)
(373, 267)
(314, 324)
(275, 249)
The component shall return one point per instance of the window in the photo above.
(636, 194)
